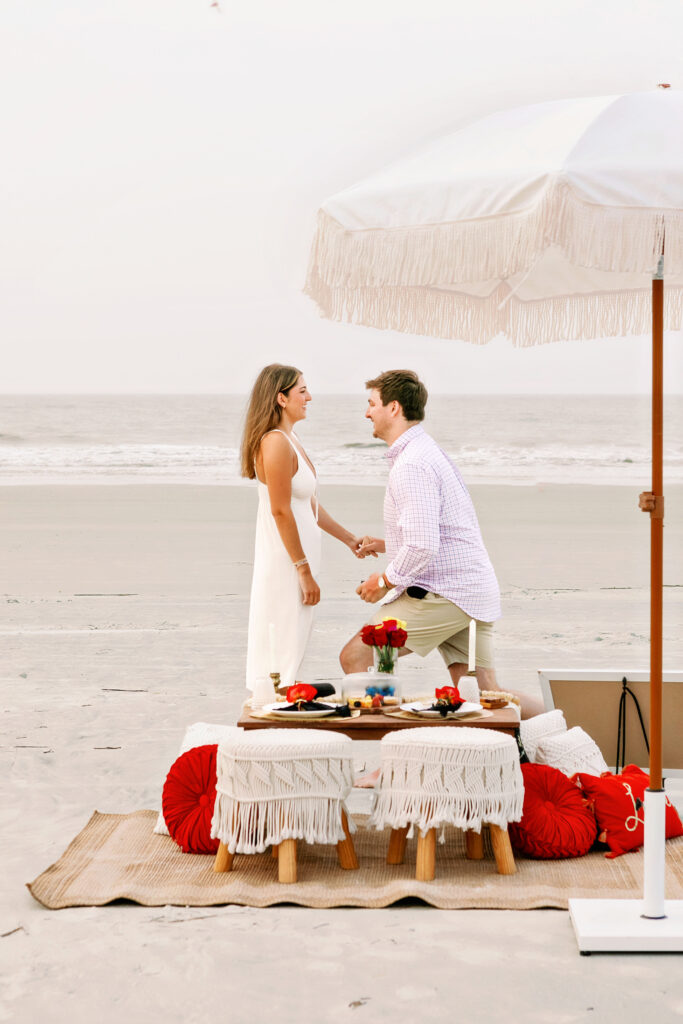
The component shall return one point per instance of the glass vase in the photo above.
(384, 659)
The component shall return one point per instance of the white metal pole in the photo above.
(654, 853)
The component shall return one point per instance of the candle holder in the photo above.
(275, 677)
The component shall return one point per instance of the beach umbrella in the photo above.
(547, 222)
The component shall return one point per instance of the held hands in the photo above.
(310, 591)
(354, 543)
(370, 546)
(364, 546)
(370, 591)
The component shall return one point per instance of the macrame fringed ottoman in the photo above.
(276, 787)
(442, 775)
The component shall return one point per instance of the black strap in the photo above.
(621, 727)
(523, 756)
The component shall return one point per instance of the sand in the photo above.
(124, 619)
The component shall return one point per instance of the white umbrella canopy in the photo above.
(542, 223)
(548, 222)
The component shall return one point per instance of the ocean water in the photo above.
(195, 438)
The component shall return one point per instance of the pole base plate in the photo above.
(616, 926)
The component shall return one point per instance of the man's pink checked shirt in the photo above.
(432, 535)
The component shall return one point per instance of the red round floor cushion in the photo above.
(188, 797)
(555, 820)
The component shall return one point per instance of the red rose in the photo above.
(301, 691)
(398, 638)
(381, 638)
(390, 624)
(367, 635)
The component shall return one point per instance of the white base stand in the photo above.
(615, 926)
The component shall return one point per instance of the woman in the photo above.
(284, 591)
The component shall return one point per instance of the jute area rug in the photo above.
(117, 856)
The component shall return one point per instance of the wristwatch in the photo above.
(381, 582)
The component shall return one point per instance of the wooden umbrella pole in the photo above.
(654, 857)
(656, 535)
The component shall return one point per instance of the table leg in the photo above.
(273, 850)
(286, 861)
(474, 844)
(346, 852)
(426, 856)
(502, 850)
(397, 845)
(224, 859)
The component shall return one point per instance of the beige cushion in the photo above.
(533, 730)
(571, 751)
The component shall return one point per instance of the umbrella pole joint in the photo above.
(652, 503)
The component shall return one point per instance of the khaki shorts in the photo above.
(433, 621)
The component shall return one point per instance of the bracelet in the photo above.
(302, 561)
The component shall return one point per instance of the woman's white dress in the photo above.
(275, 590)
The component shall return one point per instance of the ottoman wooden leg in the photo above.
(346, 852)
(426, 856)
(474, 844)
(397, 845)
(286, 861)
(273, 850)
(502, 851)
(224, 859)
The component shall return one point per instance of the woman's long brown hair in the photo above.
(263, 412)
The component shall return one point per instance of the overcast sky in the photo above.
(163, 162)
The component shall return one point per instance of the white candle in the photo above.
(472, 663)
(271, 645)
(263, 691)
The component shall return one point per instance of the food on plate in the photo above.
(360, 702)
(493, 703)
(490, 699)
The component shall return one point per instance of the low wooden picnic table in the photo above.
(376, 725)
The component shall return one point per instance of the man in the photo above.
(439, 575)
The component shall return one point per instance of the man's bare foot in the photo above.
(367, 781)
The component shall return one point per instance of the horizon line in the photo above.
(333, 394)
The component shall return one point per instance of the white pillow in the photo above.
(571, 751)
(533, 730)
(198, 735)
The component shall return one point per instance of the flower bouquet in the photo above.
(386, 639)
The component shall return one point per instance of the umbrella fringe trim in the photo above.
(617, 239)
(441, 313)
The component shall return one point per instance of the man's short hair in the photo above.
(404, 387)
